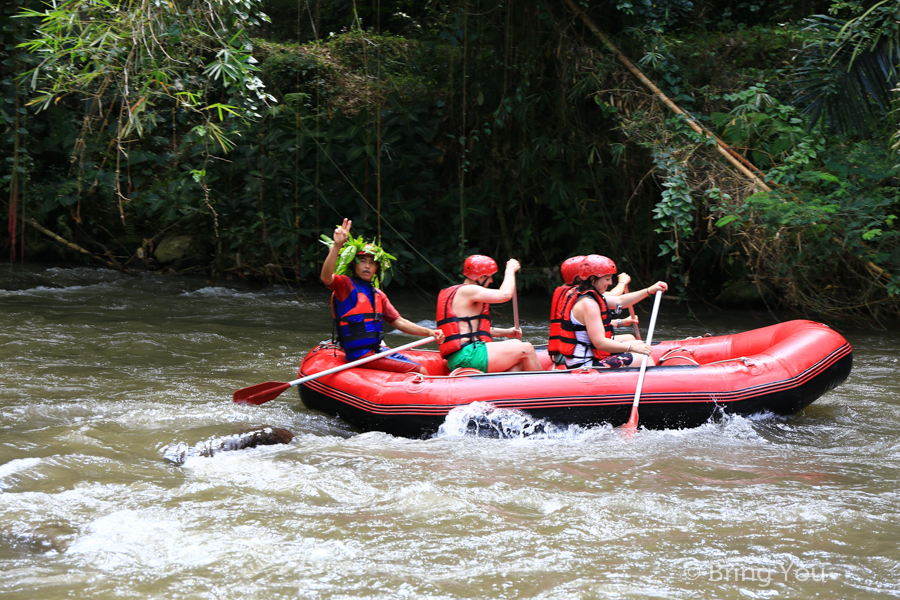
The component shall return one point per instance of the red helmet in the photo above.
(570, 269)
(369, 249)
(477, 266)
(594, 264)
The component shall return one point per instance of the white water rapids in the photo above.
(117, 481)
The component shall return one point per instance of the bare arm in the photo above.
(407, 326)
(589, 312)
(507, 333)
(624, 280)
(476, 293)
(340, 236)
(632, 298)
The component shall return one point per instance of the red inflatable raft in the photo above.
(778, 369)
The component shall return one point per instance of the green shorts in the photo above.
(474, 356)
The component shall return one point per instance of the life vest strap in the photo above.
(460, 336)
(363, 336)
(365, 316)
(468, 320)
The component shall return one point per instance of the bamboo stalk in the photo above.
(74, 246)
(739, 162)
(872, 267)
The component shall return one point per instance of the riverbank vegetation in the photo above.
(747, 154)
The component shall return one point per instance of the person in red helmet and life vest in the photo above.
(359, 307)
(564, 294)
(586, 330)
(464, 315)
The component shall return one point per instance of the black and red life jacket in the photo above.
(448, 322)
(568, 341)
(557, 309)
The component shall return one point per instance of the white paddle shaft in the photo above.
(356, 363)
(637, 392)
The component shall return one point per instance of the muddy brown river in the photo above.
(117, 479)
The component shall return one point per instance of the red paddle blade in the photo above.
(260, 393)
(633, 421)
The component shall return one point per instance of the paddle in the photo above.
(263, 392)
(516, 315)
(634, 325)
(633, 421)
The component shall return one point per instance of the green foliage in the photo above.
(846, 72)
(290, 71)
(441, 128)
(658, 14)
(745, 14)
(770, 133)
(827, 225)
(136, 53)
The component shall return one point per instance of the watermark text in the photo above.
(731, 572)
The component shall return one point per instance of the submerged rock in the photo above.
(251, 438)
(49, 536)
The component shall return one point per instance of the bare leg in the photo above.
(512, 355)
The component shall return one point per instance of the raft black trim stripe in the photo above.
(696, 397)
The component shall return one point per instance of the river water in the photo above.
(115, 397)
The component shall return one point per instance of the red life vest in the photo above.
(359, 326)
(568, 342)
(561, 295)
(448, 322)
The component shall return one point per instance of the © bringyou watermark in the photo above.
(734, 572)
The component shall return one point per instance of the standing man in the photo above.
(359, 307)
(464, 315)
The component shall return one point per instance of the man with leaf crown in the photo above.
(353, 271)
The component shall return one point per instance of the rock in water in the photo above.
(261, 436)
(251, 438)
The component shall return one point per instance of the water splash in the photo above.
(219, 292)
(482, 419)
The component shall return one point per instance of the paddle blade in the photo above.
(631, 425)
(260, 393)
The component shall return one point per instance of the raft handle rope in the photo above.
(327, 345)
(667, 356)
(465, 372)
(743, 359)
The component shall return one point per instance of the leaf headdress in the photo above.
(347, 258)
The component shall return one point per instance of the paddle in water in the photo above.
(263, 392)
(631, 425)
